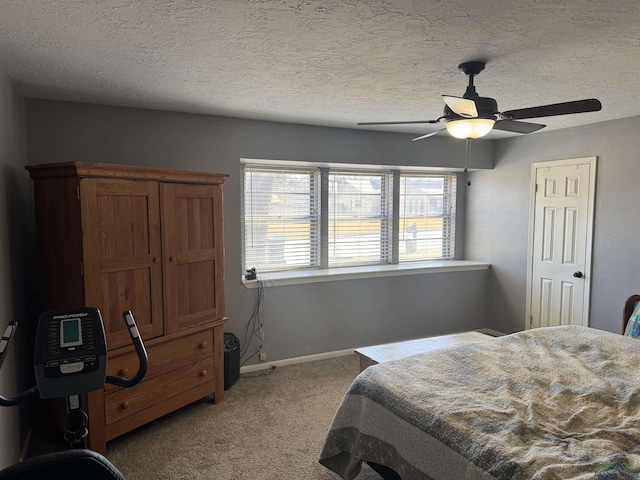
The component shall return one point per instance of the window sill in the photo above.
(351, 273)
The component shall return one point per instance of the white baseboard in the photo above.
(292, 361)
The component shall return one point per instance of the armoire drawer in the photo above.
(160, 389)
(163, 357)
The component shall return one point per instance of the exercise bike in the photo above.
(70, 359)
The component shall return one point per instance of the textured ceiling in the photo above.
(325, 62)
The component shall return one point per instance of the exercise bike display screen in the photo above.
(70, 353)
(70, 332)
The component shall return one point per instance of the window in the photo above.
(316, 218)
(427, 217)
(359, 218)
(281, 218)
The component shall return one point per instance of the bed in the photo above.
(549, 403)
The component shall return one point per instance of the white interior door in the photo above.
(560, 235)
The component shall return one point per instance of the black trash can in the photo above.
(231, 359)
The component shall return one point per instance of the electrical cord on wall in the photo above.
(254, 326)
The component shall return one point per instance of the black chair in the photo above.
(79, 464)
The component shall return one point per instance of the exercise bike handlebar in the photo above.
(140, 351)
(11, 401)
(5, 341)
(7, 338)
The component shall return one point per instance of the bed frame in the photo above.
(629, 306)
(389, 474)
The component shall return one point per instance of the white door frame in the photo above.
(592, 161)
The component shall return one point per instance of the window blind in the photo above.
(427, 217)
(359, 218)
(281, 218)
(306, 217)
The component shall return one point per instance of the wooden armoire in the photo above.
(148, 240)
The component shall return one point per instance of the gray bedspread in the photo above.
(550, 403)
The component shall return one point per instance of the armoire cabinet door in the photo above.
(192, 249)
(122, 255)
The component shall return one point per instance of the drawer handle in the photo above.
(203, 373)
(156, 260)
(124, 372)
(124, 405)
(203, 345)
(173, 259)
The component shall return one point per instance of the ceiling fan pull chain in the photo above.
(467, 162)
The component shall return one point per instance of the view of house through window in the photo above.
(281, 218)
(427, 217)
(285, 227)
(359, 218)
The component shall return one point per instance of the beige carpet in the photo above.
(269, 427)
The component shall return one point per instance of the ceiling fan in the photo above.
(473, 116)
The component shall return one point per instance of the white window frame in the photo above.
(419, 239)
(391, 268)
(288, 221)
(384, 216)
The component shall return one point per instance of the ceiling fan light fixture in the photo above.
(470, 127)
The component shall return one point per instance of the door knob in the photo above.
(577, 274)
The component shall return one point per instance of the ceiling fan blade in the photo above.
(461, 106)
(517, 127)
(565, 108)
(427, 135)
(400, 123)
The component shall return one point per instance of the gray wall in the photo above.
(300, 319)
(498, 218)
(16, 268)
(314, 318)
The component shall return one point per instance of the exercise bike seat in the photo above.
(80, 464)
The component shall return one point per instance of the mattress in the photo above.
(557, 402)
